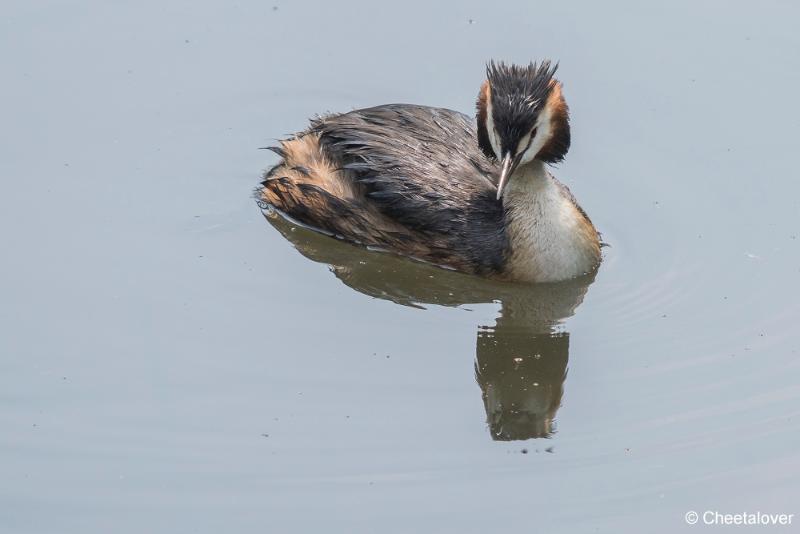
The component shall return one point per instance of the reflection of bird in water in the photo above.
(521, 374)
(521, 361)
(433, 184)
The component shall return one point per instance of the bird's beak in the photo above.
(508, 166)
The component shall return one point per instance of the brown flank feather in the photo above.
(315, 191)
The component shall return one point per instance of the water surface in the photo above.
(172, 363)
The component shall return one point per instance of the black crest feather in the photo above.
(518, 94)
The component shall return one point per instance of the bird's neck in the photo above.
(527, 181)
(550, 238)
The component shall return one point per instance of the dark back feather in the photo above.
(423, 168)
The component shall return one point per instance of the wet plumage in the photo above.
(417, 180)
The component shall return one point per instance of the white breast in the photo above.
(550, 239)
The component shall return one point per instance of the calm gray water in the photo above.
(169, 362)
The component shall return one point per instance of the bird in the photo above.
(435, 185)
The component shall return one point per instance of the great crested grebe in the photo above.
(432, 184)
